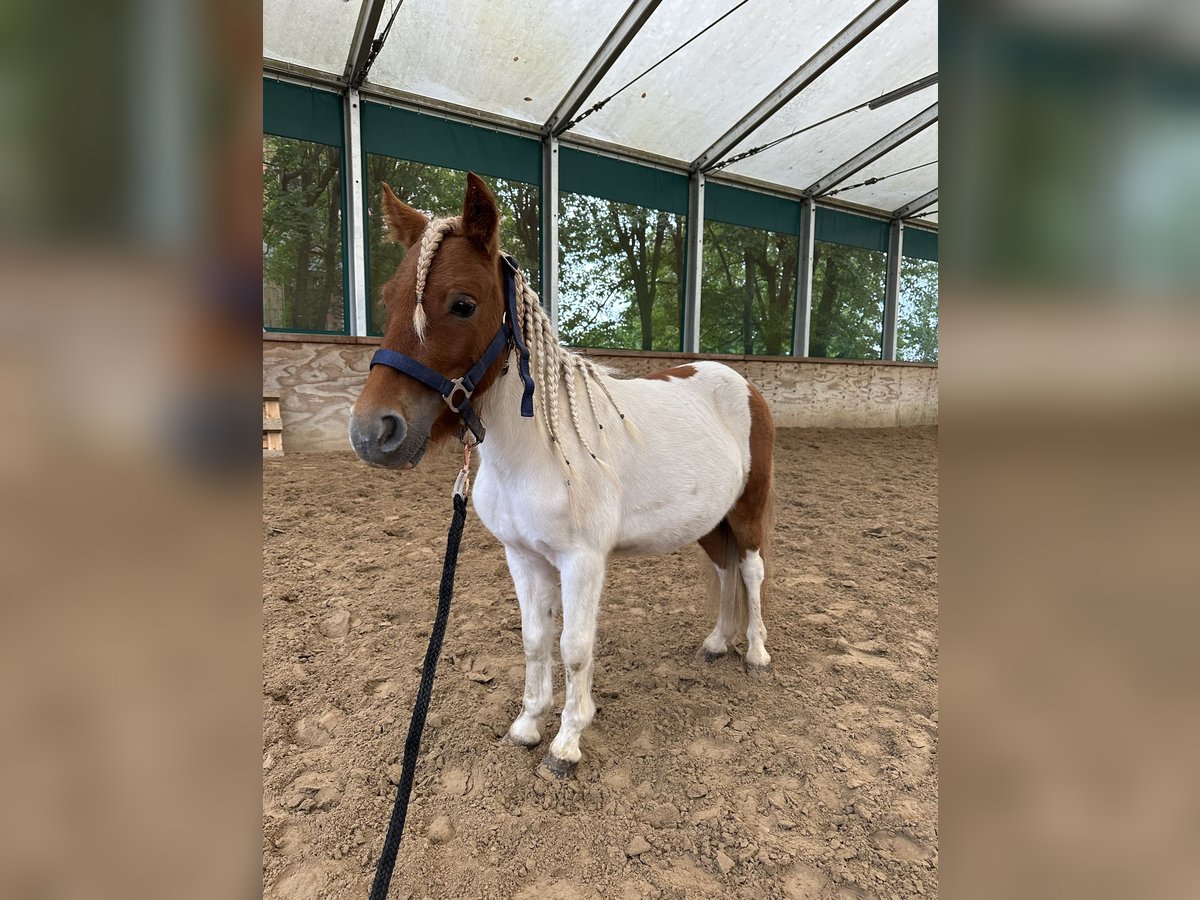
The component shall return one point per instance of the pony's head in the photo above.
(444, 304)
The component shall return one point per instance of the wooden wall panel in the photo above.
(317, 383)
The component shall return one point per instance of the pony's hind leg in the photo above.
(537, 591)
(582, 584)
(721, 548)
(753, 574)
(715, 645)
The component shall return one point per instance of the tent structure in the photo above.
(806, 115)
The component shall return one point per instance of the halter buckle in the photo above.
(456, 386)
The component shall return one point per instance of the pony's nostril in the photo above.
(391, 434)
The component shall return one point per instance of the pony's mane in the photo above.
(550, 362)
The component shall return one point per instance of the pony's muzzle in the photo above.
(377, 436)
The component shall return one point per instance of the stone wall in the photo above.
(317, 380)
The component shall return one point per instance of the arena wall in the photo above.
(317, 379)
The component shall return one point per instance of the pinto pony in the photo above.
(602, 466)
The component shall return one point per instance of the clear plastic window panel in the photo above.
(504, 57)
(748, 290)
(315, 34)
(681, 107)
(620, 274)
(917, 311)
(847, 302)
(302, 236)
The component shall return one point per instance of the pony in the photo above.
(587, 467)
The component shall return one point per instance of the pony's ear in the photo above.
(481, 219)
(405, 224)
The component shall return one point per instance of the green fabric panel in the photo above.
(836, 226)
(580, 172)
(920, 244)
(751, 209)
(304, 113)
(403, 134)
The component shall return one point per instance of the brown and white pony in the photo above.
(579, 481)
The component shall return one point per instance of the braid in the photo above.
(434, 232)
(587, 387)
(569, 371)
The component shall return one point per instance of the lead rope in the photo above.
(412, 745)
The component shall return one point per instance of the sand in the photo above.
(815, 780)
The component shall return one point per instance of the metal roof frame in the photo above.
(885, 144)
(841, 44)
(618, 39)
(915, 206)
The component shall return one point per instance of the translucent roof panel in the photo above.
(505, 57)
(679, 109)
(313, 33)
(894, 192)
(897, 53)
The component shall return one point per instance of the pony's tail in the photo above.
(727, 593)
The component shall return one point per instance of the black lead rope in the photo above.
(412, 745)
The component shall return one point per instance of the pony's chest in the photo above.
(518, 514)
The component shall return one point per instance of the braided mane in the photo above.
(553, 366)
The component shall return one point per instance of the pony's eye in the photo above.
(462, 308)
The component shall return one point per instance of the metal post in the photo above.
(550, 227)
(891, 299)
(694, 263)
(802, 323)
(360, 299)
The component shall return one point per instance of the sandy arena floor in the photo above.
(817, 780)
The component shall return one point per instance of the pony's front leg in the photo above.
(537, 591)
(582, 583)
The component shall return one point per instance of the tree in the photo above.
(848, 289)
(302, 233)
(748, 290)
(917, 319)
(619, 274)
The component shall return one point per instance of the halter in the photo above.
(451, 389)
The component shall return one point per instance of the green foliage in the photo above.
(439, 192)
(847, 302)
(302, 235)
(621, 266)
(620, 274)
(917, 325)
(748, 290)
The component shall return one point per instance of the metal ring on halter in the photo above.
(458, 386)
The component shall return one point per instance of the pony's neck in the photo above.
(566, 392)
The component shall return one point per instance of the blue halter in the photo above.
(452, 389)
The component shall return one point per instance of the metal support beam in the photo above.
(550, 227)
(802, 324)
(360, 299)
(922, 202)
(695, 264)
(616, 42)
(360, 45)
(891, 297)
(844, 41)
(885, 144)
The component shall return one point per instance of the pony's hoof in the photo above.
(558, 768)
(709, 656)
(758, 670)
(524, 743)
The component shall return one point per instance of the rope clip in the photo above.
(462, 484)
